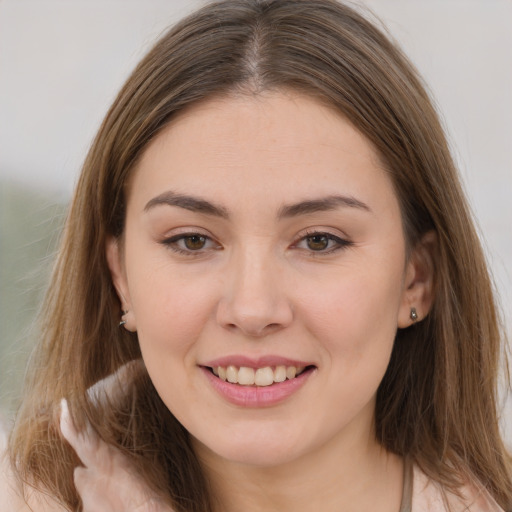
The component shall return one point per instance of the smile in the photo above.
(260, 377)
(257, 386)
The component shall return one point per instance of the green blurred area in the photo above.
(30, 226)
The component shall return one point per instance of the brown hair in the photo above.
(438, 400)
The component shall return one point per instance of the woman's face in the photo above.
(263, 240)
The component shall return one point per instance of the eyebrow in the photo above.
(194, 204)
(321, 205)
(197, 204)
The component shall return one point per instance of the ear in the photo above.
(418, 292)
(117, 271)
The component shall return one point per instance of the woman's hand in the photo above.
(107, 481)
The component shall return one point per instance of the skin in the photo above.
(260, 287)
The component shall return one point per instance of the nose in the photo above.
(254, 301)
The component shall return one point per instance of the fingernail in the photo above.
(65, 421)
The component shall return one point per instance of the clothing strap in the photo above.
(406, 505)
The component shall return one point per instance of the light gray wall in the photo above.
(61, 63)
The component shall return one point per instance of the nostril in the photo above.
(255, 315)
(252, 329)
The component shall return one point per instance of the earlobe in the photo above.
(418, 291)
(115, 265)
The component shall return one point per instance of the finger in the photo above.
(67, 427)
(115, 387)
(85, 443)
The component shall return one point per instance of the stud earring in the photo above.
(414, 314)
(123, 321)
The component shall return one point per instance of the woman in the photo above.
(270, 219)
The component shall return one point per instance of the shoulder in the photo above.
(11, 492)
(10, 495)
(429, 496)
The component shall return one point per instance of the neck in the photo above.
(339, 476)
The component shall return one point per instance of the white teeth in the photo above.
(222, 373)
(291, 371)
(280, 374)
(232, 374)
(265, 376)
(246, 376)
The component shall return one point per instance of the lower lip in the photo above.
(257, 396)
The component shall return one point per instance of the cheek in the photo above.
(356, 323)
(357, 313)
(170, 306)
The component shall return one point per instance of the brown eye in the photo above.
(322, 243)
(317, 242)
(191, 244)
(194, 242)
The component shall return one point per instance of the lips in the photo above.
(257, 383)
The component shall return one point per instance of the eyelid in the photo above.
(171, 242)
(342, 240)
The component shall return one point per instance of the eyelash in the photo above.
(173, 241)
(339, 243)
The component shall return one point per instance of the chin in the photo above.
(259, 456)
(261, 448)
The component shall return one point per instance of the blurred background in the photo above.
(62, 62)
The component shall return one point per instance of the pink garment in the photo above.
(427, 496)
(420, 493)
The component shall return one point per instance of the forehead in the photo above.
(270, 146)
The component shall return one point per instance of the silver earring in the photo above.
(123, 321)
(414, 314)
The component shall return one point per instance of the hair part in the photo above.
(437, 403)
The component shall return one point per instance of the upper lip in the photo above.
(258, 362)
